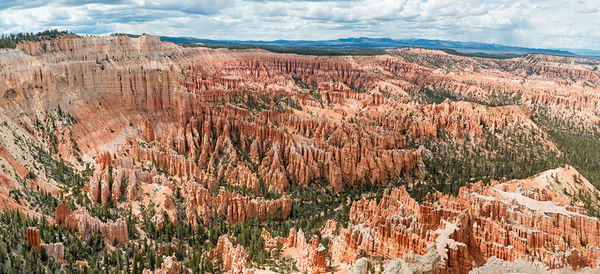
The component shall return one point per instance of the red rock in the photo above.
(235, 259)
(81, 221)
(143, 103)
(56, 250)
(33, 238)
(312, 259)
(513, 220)
(201, 205)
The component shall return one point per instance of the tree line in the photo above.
(11, 40)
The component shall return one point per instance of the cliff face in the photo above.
(55, 250)
(182, 112)
(528, 219)
(238, 117)
(86, 225)
(211, 133)
(234, 257)
(200, 205)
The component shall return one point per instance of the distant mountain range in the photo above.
(386, 43)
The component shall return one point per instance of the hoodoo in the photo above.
(132, 153)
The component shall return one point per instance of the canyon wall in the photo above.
(230, 134)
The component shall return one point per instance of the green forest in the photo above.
(11, 40)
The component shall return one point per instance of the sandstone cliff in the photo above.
(219, 133)
(234, 257)
(528, 219)
(201, 205)
(82, 222)
(55, 250)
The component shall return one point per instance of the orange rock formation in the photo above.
(56, 250)
(312, 259)
(33, 238)
(80, 220)
(312, 255)
(521, 219)
(235, 259)
(156, 117)
(201, 206)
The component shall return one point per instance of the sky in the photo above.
(528, 23)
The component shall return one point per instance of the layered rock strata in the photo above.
(528, 219)
(312, 259)
(33, 238)
(157, 118)
(55, 250)
(234, 257)
(201, 206)
(85, 225)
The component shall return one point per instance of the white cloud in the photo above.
(533, 23)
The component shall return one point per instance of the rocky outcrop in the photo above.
(122, 83)
(116, 184)
(360, 266)
(312, 259)
(414, 263)
(203, 111)
(374, 231)
(246, 117)
(82, 222)
(55, 250)
(234, 257)
(33, 238)
(312, 255)
(201, 206)
(529, 219)
(495, 265)
(83, 49)
(158, 118)
(279, 158)
(169, 265)
(562, 89)
(271, 243)
(118, 180)
(296, 239)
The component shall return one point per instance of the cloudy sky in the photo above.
(531, 23)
